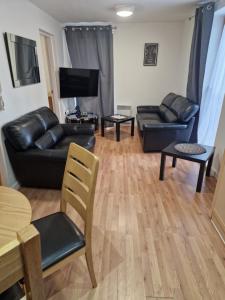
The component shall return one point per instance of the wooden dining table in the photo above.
(20, 250)
(15, 214)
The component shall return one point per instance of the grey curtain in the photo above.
(199, 49)
(91, 47)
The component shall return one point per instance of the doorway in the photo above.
(47, 48)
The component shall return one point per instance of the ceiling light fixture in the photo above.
(124, 10)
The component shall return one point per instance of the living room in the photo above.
(154, 235)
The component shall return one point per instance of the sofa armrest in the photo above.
(78, 129)
(165, 126)
(148, 109)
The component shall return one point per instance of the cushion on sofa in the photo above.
(56, 133)
(46, 141)
(169, 99)
(85, 141)
(167, 114)
(184, 109)
(47, 117)
(24, 131)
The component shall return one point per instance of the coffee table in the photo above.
(202, 159)
(117, 121)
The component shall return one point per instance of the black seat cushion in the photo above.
(59, 236)
(141, 123)
(85, 141)
(13, 293)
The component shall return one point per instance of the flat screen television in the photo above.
(78, 82)
(23, 61)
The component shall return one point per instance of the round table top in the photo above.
(15, 213)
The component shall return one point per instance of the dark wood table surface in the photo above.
(117, 122)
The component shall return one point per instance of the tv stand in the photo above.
(90, 118)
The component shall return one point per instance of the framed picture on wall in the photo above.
(151, 54)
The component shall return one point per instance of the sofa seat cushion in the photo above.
(148, 116)
(85, 141)
(59, 236)
(141, 123)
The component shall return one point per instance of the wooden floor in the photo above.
(151, 239)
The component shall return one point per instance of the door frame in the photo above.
(53, 68)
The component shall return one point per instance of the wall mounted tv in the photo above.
(23, 61)
(78, 82)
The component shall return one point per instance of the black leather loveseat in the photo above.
(37, 147)
(161, 125)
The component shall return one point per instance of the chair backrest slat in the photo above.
(76, 167)
(74, 200)
(79, 183)
(76, 186)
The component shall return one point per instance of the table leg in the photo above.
(103, 127)
(200, 177)
(162, 166)
(209, 166)
(174, 163)
(118, 132)
(132, 127)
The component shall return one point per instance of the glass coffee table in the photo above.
(117, 119)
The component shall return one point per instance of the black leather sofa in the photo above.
(161, 125)
(37, 147)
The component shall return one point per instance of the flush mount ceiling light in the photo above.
(124, 10)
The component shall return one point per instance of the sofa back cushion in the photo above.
(184, 109)
(167, 114)
(50, 138)
(47, 117)
(46, 141)
(56, 133)
(24, 131)
(169, 99)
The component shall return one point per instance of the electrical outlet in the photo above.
(2, 105)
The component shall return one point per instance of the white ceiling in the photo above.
(103, 10)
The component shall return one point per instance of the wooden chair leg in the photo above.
(31, 251)
(88, 256)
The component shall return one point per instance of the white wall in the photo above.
(25, 19)
(136, 84)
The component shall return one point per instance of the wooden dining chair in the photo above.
(61, 240)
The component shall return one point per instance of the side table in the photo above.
(203, 159)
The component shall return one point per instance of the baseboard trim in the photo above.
(219, 225)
